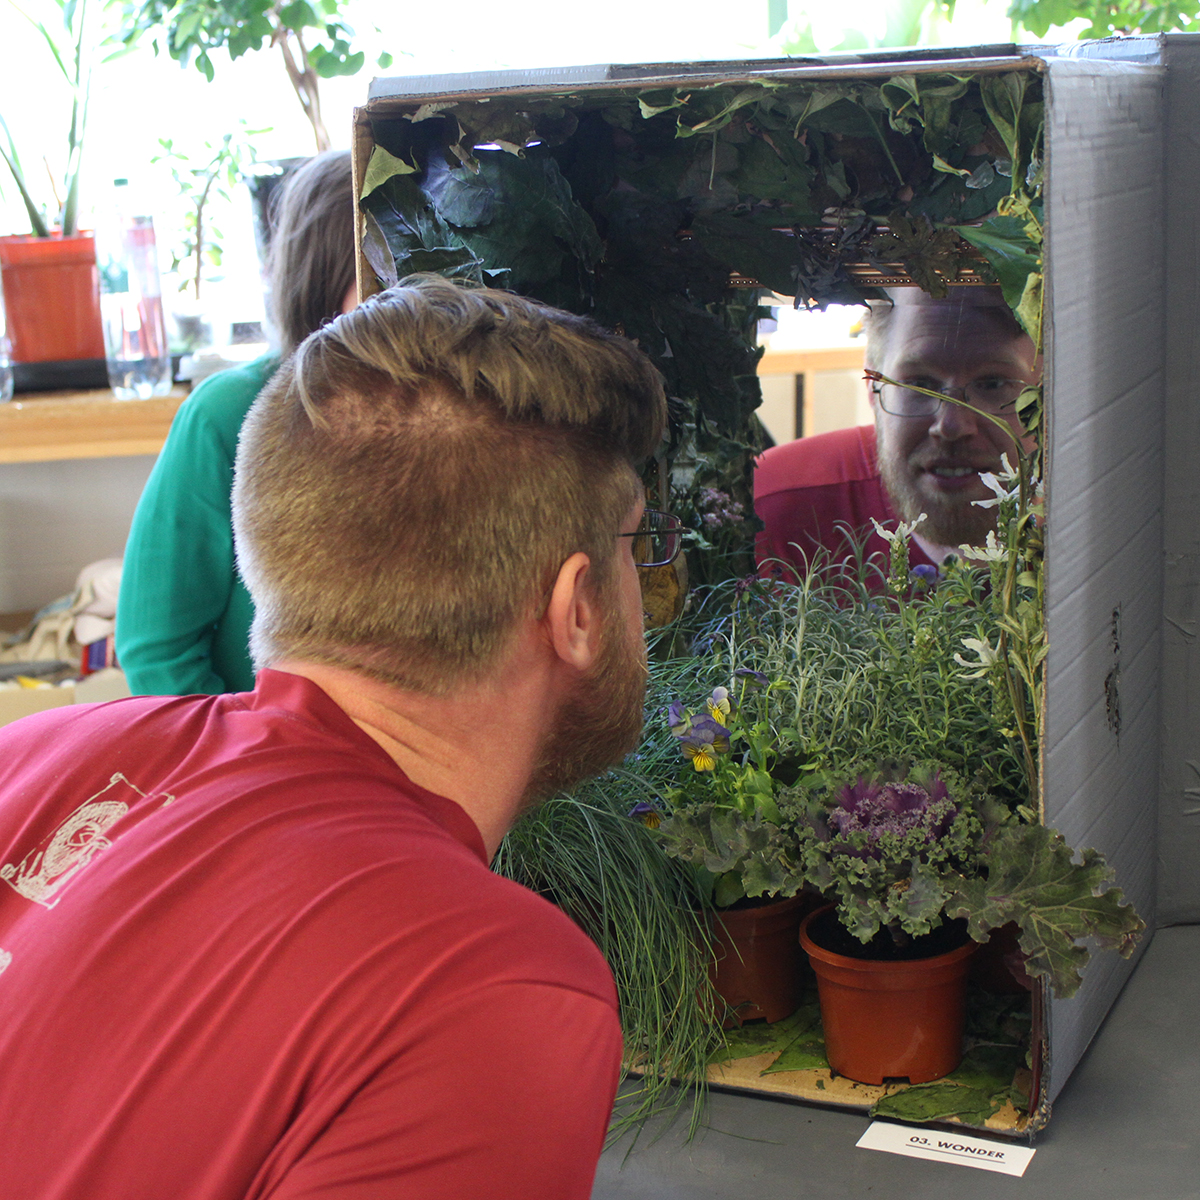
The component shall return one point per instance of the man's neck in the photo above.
(476, 746)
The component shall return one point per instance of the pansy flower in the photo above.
(751, 680)
(645, 812)
(678, 720)
(719, 705)
(703, 742)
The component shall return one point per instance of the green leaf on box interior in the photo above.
(987, 1080)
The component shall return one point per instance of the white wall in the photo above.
(778, 409)
(835, 400)
(56, 517)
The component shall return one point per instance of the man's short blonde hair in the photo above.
(411, 480)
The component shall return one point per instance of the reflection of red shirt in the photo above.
(807, 493)
(243, 955)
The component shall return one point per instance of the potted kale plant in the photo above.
(920, 868)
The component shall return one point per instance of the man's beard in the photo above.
(600, 722)
(949, 520)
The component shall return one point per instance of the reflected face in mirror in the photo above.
(931, 464)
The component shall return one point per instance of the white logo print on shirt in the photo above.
(46, 869)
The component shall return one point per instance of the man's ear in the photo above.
(572, 619)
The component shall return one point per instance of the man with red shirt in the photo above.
(249, 943)
(921, 457)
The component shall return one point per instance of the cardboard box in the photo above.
(17, 701)
(1106, 357)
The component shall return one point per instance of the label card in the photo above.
(917, 1142)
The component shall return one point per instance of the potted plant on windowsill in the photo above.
(50, 285)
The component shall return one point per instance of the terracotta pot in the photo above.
(52, 295)
(758, 968)
(890, 1020)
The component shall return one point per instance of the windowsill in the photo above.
(47, 426)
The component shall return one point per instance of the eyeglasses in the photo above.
(991, 394)
(657, 539)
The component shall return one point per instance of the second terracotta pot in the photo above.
(890, 1020)
(758, 967)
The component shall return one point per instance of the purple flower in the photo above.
(706, 729)
(678, 721)
(878, 807)
(718, 508)
(703, 742)
(645, 812)
(924, 574)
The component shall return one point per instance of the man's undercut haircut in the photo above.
(412, 479)
(311, 260)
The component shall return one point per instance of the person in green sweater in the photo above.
(183, 614)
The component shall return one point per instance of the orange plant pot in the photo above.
(52, 296)
(890, 1020)
(757, 968)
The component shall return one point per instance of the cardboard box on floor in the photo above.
(17, 702)
(1106, 278)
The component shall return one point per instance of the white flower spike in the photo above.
(989, 656)
(992, 551)
(904, 530)
(1005, 484)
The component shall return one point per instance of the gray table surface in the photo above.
(1125, 1127)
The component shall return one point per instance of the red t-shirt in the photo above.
(245, 956)
(809, 493)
